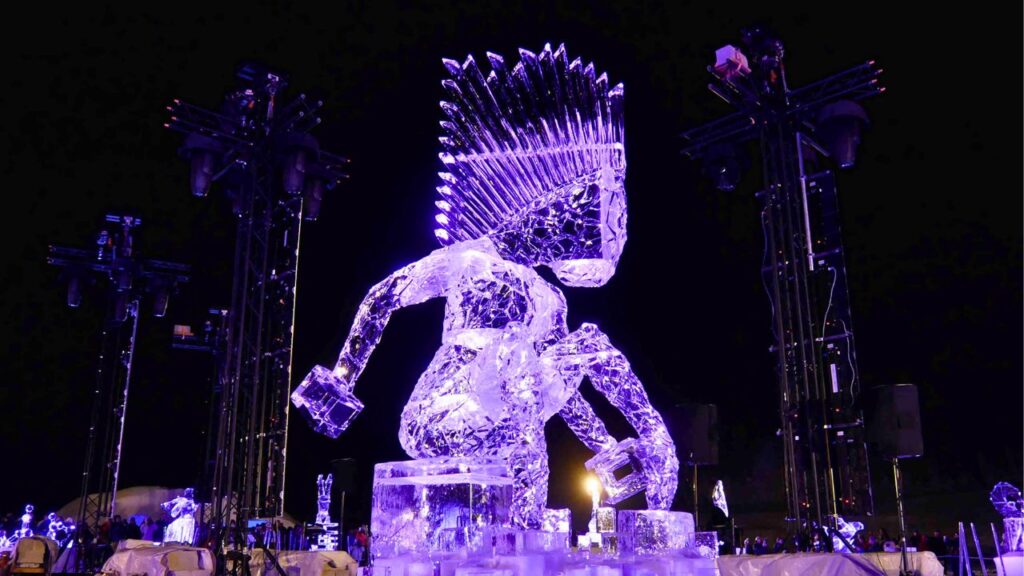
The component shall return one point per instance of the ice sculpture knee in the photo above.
(534, 171)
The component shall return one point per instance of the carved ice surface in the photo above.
(534, 170)
(848, 530)
(706, 544)
(1007, 500)
(646, 532)
(718, 498)
(323, 498)
(437, 505)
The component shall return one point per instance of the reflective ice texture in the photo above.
(326, 401)
(1007, 500)
(606, 519)
(183, 527)
(323, 498)
(647, 532)
(718, 498)
(1013, 534)
(534, 168)
(557, 520)
(848, 530)
(437, 505)
(706, 544)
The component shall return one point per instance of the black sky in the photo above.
(931, 216)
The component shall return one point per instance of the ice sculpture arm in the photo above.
(325, 396)
(584, 423)
(415, 283)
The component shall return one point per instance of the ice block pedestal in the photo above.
(437, 505)
(650, 532)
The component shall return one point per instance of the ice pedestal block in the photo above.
(437, 505)
(606, 519)
(326, 402)
(500, 541)
(648, 532)
(706, 544)
(556, 520)
(1013, 534)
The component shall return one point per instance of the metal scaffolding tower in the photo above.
(821, 422)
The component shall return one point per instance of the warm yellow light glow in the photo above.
(593, 485)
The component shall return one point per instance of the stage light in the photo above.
(161, 296)
(74, 292)
(312, 196)
(121, 307)
(724, 165)
(301, 152)
(839, 127)
(204, 153)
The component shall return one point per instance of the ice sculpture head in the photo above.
(534, 159)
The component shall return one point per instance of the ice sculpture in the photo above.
(26, 524)
(844, 534)
(183, 528)
(327, 537)
(718, 498)
(323, 498)
(1008, 502)
(534, 167)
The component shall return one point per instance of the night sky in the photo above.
(931, 218)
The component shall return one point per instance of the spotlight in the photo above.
(724, 165)
(301, 151)
(312, 195)
(121, 307)
(161, 296)
(204, 153)
(839, 127)
(75, 292)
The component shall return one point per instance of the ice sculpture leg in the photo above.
(528, 465)
(588, 352)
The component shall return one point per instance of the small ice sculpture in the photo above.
(327, 538)
(718, 498)
(26, 523)
(323, 498)
(54, 527)
(1008, 502)
(844, 534)
(183, 528)
(534, 167)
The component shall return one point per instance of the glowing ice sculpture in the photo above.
(26, 524)
(1008, 502)
(847, 531)
(533, 176)
(183, 528)
(327, 538)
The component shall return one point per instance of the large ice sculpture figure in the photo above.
(183, 528)
(533, 176)
(1008, 502)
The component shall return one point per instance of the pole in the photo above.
(133, 309)
(696, 505)
(977, 546)
(904, 571)
(999, 551)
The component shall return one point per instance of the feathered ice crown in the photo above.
(519, 135)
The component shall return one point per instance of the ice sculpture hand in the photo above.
(326, 401)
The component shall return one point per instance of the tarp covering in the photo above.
(160, 561)
(298, 563)
(868, 564)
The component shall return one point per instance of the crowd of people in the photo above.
(863, 541)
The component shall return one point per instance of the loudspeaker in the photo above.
(894, 421)
(344, 470)
(694, 429)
